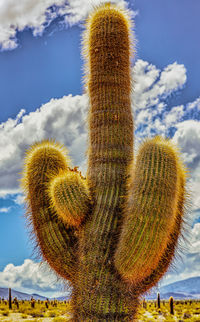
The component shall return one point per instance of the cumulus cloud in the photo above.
(63, 119)
(151, 89)
(37, 15)
(195, 104)
(31, 277)
(187, 137)
(19, 199)
(5, 209)
(153, 85)
(188, 265)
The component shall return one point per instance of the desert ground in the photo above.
(46, 311)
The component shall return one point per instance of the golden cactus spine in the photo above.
(113, 234)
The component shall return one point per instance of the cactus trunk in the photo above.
(106, 300)
(99, 293)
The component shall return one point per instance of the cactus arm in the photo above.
(152, 210)
(169, 253)
(55, 239)
(69, 195)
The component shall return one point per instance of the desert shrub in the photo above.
(5, 313)
(195, 319)
(187, 315)
(52, 314)
(36, 314)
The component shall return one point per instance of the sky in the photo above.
(42, 96)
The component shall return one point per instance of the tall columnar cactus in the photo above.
(171, 305)
(112, 234)
(158, 300)
(9, 299)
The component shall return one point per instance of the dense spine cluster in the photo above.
(114, 233)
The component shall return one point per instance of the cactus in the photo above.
(158, 300)
(171, 305)
(144, 304)
(32, 302)
(112, 234)
(9, 299)
(16, 302)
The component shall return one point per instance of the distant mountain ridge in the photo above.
(191, 285)
(26, 296)
(185, 289)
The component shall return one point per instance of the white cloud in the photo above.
(31, 277)
(153, 85)
(63, 119)
(195, 104)
(5, 209)
(151, 88)
(176, 113)
(18, 15)
(187, 137)
(188, 265)
(20, 199)
(195, 242)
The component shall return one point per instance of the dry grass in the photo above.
(184, 311)
(56, 312)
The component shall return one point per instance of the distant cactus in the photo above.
(32, 302)
(16, 302)
(10, 299)
(158, 300)
(171, 305)
(47, 304)
(144, 304)
(113, 234)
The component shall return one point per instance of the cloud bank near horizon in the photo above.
(15, 16)
(32, 277)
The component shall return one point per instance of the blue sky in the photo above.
(42, 96)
